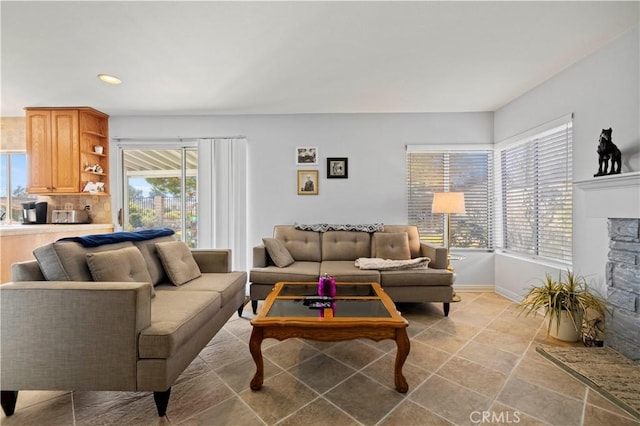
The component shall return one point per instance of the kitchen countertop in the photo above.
(19, 229)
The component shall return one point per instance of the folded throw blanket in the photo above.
(118, 237)
(324, 227)
(389, 265)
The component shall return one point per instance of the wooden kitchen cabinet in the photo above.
(60, 150)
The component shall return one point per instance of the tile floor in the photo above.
(479, 366)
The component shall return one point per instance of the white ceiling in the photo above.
(294, 57)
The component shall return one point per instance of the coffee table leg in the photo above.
(402, 342)
(255, 344)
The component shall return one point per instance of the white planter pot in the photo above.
(567, 331)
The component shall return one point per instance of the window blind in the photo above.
(536, 195)
(470, 172)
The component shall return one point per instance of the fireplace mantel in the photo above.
(612, 196)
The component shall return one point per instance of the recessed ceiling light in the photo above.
(109, 79)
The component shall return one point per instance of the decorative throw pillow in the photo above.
(391, 245)
(278, 252)
(178, 262)
(126, 264)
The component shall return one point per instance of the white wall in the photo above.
(374, 143)
(602, 91)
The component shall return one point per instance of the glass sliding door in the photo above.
(160, 189)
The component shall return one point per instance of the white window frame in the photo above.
(561, 254)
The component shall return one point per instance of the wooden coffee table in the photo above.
(362, 310)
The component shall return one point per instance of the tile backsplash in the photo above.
(100, 205)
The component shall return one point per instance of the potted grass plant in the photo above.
(567, 303)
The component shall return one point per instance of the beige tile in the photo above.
(594, 398)
(354, 353)
(238, 375)
(289, 353)
(225, 351)
(457, 328)
(441, 340)
(231, 412)
(595, 416)
(50, 411)
(551, 377)
(503, 414)
(489, 356)
(364, 399)
(426, 357)
(196, 395)
(321, 372)
(473, 376)
(383, 371)
(411, 414)
(195, 369)
(541, 403)
(449, 400)
(507, 342)
(318, 413)
(279, 397)
(116, 408)
(30, 397)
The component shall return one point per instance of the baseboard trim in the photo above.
(474, 288)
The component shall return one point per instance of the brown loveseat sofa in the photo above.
(83, 318)
(316, 252)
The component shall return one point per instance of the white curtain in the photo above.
(222, 197)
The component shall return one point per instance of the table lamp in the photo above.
(448, 203)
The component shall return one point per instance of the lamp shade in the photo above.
(448, 202)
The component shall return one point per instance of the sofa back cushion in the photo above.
(345, 245)
(124, 265)
(412, 234)
(67, 260)
(302, 245)
(152, 259)
(391, 245)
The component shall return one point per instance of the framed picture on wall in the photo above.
(306, 155)
(337, 168)
(307, 182)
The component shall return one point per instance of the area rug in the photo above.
(611, 374)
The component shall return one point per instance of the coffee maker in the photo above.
(34, 212)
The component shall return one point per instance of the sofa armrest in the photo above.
(260, 256)
(213, 260)
(61, 335)
(439, 255)
(29, 270)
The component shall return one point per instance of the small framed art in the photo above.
(306, 155)
(337, 168)
(307, 182)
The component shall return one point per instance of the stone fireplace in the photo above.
(623, 287)
(607, 210)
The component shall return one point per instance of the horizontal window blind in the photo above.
(536, 195)
(455, 171)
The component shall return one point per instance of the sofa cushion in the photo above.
(303, 245)
(391, 245)
(67, 260)
(175, 318)
(416, 277)
(412, 233)
(178, 262)
(126, 264)
(297, 271)
(278, 252)
(152, 259)
(345, 245)
(345, 270)
(227, 284)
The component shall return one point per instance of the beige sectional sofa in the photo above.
(61, 329)
(314, 253)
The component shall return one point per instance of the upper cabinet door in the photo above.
(65, 144)
(39, 153)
